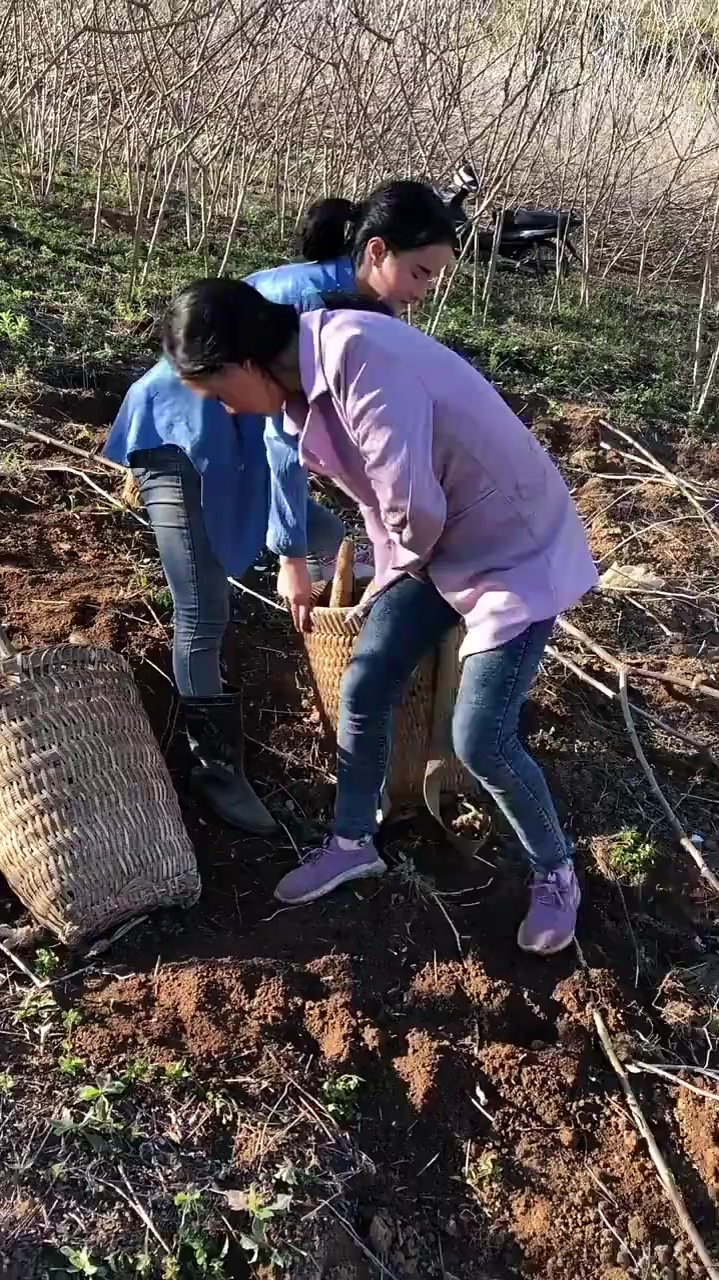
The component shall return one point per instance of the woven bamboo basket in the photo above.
(421, 730)
(91, 832)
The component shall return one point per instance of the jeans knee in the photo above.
(478, 746)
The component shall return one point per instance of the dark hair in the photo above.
(406, 215)
(341, 301)
(217, 322)
(326, 229)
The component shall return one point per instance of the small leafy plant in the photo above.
(177, 1070)
(483, 1170)
(7, 1084)
(13, 328)
(339, 1095)
(262, 1210)
(79, 1262)
(36, 1006)
(47, 963)
(632, 856)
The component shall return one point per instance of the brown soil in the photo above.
(487, 1138)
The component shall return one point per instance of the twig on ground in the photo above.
(438, 902)
(700, 747)
(103, 493)
(20, 964)
(310, 1100)
(682, 485)
(105, 943)
(42, 438)
(130, 1198)
(665, 1175)
(664, 677)
(686, 844)
(376, 1262)
(638, 1067)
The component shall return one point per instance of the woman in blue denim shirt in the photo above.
(213, 501)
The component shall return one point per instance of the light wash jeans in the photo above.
(404, 622)
(170, 488)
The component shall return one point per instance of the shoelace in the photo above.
(314, 853)
(548, 892)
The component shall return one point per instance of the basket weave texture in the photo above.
(91, 832)
(427, 701)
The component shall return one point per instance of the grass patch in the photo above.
(64, 304)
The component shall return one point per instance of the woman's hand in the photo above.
(295, 586)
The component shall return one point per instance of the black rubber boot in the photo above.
(214, 730)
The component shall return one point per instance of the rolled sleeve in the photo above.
(390, 414)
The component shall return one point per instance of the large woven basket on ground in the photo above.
(422, 764)
(91, 832)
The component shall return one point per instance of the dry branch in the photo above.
(686, 844)
(665, 1175)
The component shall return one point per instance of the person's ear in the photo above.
(376, 251)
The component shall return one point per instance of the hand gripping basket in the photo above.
(90, 828)
(422, 764)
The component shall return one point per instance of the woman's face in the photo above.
(402, 279)
(242, 388)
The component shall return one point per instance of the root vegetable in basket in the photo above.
(218, 488)
(469, 519)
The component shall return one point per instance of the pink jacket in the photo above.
(448, 480)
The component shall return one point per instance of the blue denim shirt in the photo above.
(245, 505)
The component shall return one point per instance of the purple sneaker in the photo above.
(325, 869)
(552, 917)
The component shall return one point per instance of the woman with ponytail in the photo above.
(470, 522)
(211, 497)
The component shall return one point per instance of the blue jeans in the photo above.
(407, 620)
(170, 488)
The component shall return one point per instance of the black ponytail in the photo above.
(406, 215)
(217, 322)
(326, 230)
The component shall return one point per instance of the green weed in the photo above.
(47, 963)
(7, 1084)
(339, 1095)
(36, 1006)
(13, 328)
(79, 1262)
(138, 1070)
(483, 1170)
(70, 1065)
(177, 1070)
(71, 1018)
(262, 1210)
(632, 856)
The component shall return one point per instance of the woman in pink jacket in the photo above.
(468, 516)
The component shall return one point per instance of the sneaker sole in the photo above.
(544, 951)
(377, 868)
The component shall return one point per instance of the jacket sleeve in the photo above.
(287, 524)
(389, 413)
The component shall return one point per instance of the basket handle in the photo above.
(342, 585)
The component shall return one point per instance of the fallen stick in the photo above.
(42, 438)
(665, 1174)
(617, 665)
(638, 1067)
(700, 747)
(20, 964)
(97, 488)
(686, 844)
(671, 475)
